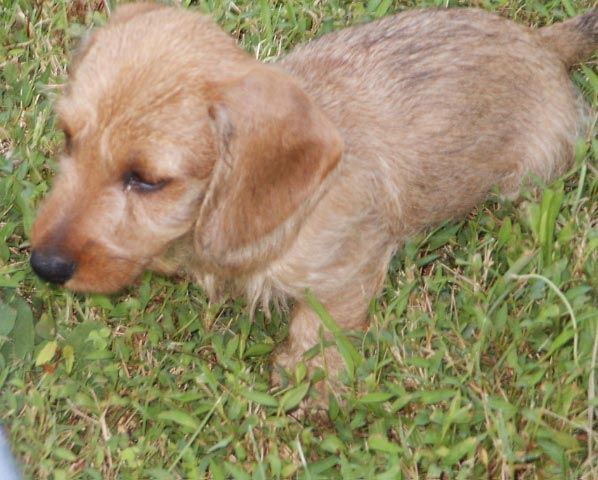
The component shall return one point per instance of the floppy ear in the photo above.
(276, 148)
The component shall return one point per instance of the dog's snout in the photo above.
(52, 267)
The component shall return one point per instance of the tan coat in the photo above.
(185, 154)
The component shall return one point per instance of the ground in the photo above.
(479, 361)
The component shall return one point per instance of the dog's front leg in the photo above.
(347, 276)
(307, 334)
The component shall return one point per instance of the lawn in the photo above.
(479, 361)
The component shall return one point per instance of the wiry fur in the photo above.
(304, 175)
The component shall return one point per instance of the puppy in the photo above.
(186, 155)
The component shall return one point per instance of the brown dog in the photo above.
(184, 154)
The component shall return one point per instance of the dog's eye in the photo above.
(134, 181)
(68, 140)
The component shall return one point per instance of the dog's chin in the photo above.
(107, 283)
(104, 286)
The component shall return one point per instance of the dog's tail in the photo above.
(573, 40)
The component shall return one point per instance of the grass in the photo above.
(479, 362)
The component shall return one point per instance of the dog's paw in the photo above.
(322, 371)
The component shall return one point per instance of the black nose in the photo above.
(52, 267)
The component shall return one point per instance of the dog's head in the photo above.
(172, 130)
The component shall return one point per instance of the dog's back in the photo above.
(439, 106)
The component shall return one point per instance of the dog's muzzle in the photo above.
(52, 267)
